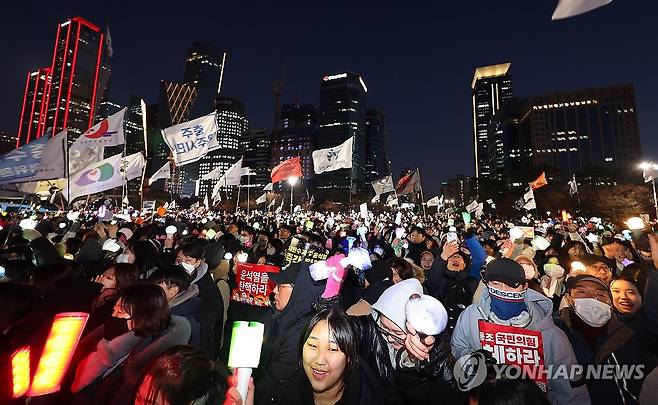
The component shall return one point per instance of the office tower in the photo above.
(342, 115)
(7, 142)
(232, 124)
(377, 164)
(578, 131)
(492, 87)
(33, 112)
(256, 149)
(74, 90)
(461, 189)
(204, 66)
(506, 157)
(297, 137)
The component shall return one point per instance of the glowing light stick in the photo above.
(244, 353)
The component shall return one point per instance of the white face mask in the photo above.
(592, 311)
(125, 258)
(243, 239)
(189, 268)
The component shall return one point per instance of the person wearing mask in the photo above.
(294, 295)
(331, 371)
(182, 375)
(506, 300)
(449, 281)
(258, 254)
(599, 339)
(184, 302)
(531, 272)
(247, 237)
(140, 329)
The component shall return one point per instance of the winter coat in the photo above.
(110, 374)
(617, 346)
(454, 289)
(362, 388)
(280, 354)
(213, 306)
(557, 350)
(188, 305)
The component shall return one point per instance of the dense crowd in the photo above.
(384, 308)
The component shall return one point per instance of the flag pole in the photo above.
(237, 203)
(248, 183)
(141, 186)
(422, 197)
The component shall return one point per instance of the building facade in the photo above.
(460, 189)
(7, 142)
(582, 131)
(74, 90)
(33, 111)
(297, 136)
(341, 116)
(377, 163)
(491, 88)
(232, 125)
(256, 151)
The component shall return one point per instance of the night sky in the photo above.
(417, 59)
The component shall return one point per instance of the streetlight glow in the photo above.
(292, 180)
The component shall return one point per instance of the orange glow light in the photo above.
(60, 346)
(20, 372)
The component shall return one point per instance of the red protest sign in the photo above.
(515, 346)
(254, 285)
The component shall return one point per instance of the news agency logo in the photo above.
(471, 370)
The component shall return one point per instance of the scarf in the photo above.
(506, 304)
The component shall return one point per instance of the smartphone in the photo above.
(451, 236)
(210, 234)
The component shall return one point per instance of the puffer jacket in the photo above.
(557, 349)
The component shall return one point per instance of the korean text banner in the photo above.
(253, 284)
(191, 140)
(300, 251)
(40, 159)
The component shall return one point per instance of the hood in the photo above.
(200, 272)
(304, 293)
(540, 308)
(192, 291)
(393, 301)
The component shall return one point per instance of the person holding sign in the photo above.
(508, 309)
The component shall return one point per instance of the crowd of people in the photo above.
(385, 308)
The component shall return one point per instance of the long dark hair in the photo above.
(125, 275)
(341, 328)
(147, 306)
(183, 374)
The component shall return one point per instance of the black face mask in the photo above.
(115, 327)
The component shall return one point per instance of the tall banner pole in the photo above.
(422, 197)
(248, 184)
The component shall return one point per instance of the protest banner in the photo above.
(300, 250)
(253, 284)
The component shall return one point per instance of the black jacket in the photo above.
(280, 356)
(213, 306)
(454, 289)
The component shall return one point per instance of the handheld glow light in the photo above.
(244, 353)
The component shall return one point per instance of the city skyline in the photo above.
(423, 87)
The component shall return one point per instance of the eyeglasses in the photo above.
(388, 333)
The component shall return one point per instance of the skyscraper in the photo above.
(76, 65)
(492, 87)
(7, 142)
(576, 131)
(342, 115)
(33, 112)
(232, 124)
(297, 137)
(505, 152)
(256, 149)
(376, 158)
(204, 66)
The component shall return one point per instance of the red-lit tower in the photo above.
(35, 100)
(74, 89)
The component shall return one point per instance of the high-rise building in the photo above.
(577, 131)
(232, 125)
(342, 115)
(460, 189)
(204, 66)
(33, 112)
(377, 164)
(256, 149)
(505, 152)
(297, 137)
(76, 66)
(492, 87)
(7, 142)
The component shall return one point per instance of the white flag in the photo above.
(383, 185)
(571, 8)
(479, 210)
(163, 173)
(472, 206)
(104, 175)
(262, 199)
(272, 202)
(232, 175)
(125, 201)
(83, 157)
(191, 140)
(214, 174)
(268, 187)
(434, 202)
(391, 200)
(108, 132)
(375, 199)
(279, 208)
(338, 157)
(363, 210)
(529, 199)
(246, 171)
